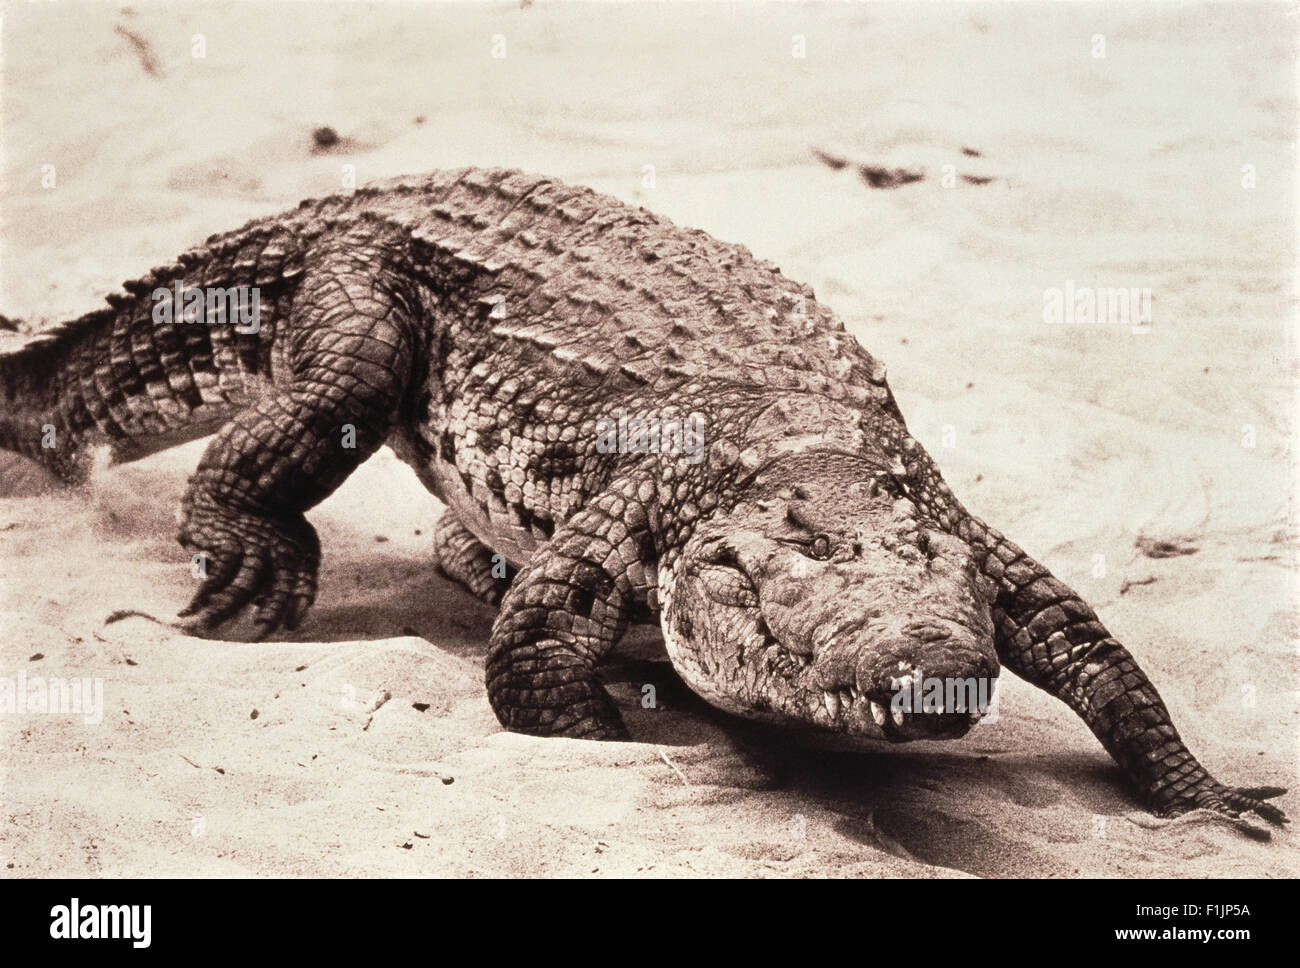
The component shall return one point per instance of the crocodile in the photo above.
(626, 420)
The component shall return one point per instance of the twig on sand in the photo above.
(143, 49)
(673, 766)
(122, 613)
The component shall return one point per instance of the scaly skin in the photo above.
(802, 552)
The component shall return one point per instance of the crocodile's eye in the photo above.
(820, 548)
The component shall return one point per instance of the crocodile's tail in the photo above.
(30, 417)
(115, 377)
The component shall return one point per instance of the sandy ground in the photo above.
(285, 758)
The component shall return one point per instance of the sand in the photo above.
(364, 743)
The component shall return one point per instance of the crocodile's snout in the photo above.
(927, 679)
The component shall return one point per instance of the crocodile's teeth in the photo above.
(898, 715)
(832, 704)
(878, 713)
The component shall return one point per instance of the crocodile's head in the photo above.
(823, 597)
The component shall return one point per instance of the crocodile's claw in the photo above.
(270, 564)
(1234, 805)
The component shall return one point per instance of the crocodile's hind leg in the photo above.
(470, 563)
(348, 347)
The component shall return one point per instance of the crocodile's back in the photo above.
(538, 272)
(563, 272)
(553, 307)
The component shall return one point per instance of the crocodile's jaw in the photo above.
(799, 699)
(686, 662)
(841, 711)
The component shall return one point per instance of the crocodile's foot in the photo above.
(587, 711)
(246, 559)
(547, 692)
(465, 560)
(1232, 805)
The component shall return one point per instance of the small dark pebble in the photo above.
(1159, 548)
(220, 770)
(426, 836)
(448, 780)
(418, 531)
(131, 662)
(420, 706)
(299, 669)
(253, 714)
(380, 538)
(406, 846)
(325, 137)
(36, 657)
(419, 119)
(972, 153)
(833, 162)
(880, 177)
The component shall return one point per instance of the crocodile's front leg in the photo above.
(563, 613)
(350, 354)
(1048, 635)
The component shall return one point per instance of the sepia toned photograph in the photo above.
(648, 440)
